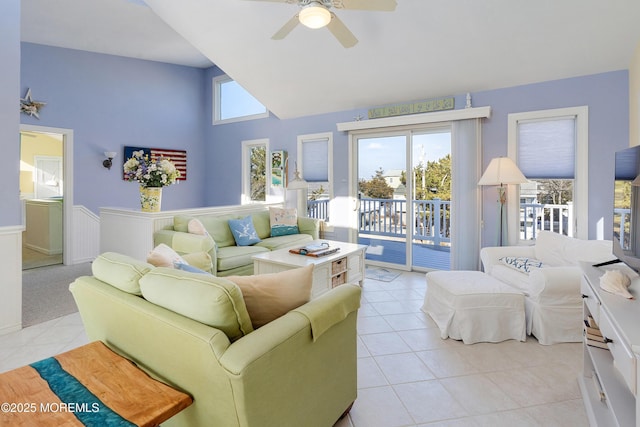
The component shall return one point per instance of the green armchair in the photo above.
(298, 370)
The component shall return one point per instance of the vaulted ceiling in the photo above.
(424, 49)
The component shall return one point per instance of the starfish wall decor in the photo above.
(29, 106)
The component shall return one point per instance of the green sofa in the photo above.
(298, 370)
(227, 258)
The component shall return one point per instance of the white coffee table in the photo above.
(344, 266)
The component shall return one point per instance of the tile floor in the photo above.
(407, 375)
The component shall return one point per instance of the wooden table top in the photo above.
(90, 385)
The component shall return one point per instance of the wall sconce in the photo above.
(110, 155)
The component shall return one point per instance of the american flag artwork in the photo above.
(178, 157)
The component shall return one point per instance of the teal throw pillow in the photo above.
(283, 221)
(244, 233)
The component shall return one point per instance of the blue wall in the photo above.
(9, 112)
(111, 101)
(606, 95)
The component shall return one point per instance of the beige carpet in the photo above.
(34, 259)
(45, 292)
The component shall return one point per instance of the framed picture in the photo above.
(178, 157)
(279, 168)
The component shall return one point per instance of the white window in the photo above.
(233, 104)
(255, 170)
(315, 163)
(551, 149)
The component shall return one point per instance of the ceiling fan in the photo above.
(317, 14)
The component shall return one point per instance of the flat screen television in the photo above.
(626, 207)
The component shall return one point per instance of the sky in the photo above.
(238, 102)
(390, 152)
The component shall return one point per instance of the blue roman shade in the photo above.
(547, 148)
(315, 160)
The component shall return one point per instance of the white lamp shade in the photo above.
(314, 15)
(502, 170)
(110, 154)
(297, 184)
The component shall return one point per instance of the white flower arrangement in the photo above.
(150, 171)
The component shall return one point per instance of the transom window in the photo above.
(232, 103)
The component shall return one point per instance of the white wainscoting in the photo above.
(85, 246)
(130, 232)
(11, 284)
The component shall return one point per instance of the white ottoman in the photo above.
(474, 307)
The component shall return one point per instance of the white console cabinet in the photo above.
(609, 382)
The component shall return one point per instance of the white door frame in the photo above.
(67, 186)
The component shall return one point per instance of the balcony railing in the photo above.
(622, 217)
(318, 209)
(388, 217)
(432, 218)
(535, 217)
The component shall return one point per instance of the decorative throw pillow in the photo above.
(189, 268)
(200, 260)
(195, 226)
(163, 256)
(269, 296)
(522, 264)
(243, 231)
(283, 221)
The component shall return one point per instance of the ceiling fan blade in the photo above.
(380, 5)
(341, 32)
(286, 28)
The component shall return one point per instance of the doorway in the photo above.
(404, 198)
(45, 177)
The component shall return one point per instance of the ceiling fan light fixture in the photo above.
(314, 15)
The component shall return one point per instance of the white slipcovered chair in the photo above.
(553, 302)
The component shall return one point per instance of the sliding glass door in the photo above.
(382, 197)
(404, 197)
(431, 199)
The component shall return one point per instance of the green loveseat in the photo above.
(227, 258)
(297, 370)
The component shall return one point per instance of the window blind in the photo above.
(315, 160)
(547, 148)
